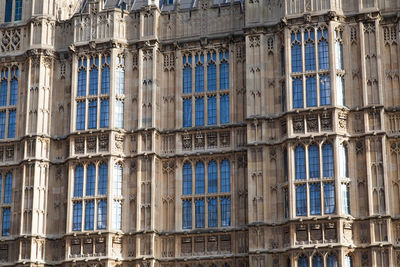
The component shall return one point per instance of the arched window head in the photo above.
(187, 79)
(317, 261)
(8, 188)
(303, 261)
(225, 176)
(199, 76)
(212, 76)
(300, 163)
(78, 181)
(332, 261)
(102, 184)
(212, 177)
(313, 159)
(309, 37)
(90, 180)
(344, 163)
(296, 52)
(187, 179)
(200, 178)
(323, 49)
(117, 179)
(327, 159)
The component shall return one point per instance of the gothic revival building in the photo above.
(199, 133)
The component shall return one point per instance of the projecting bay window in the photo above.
(314, 188)
(310, 68)
(92, 97)
(9, 78)
(89, 197)
(211, 198)
(208, 103)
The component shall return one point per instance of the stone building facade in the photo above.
(194, 133)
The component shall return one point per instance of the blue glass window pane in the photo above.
(3, 93)
(93, 81)
(90, 180)
(187, 112)
(14, 92)
(199, 213)
(329, 198)
(296, 58)
(117, 215)
(212, 212)
(104, 111)
(323, 55)
(313, 158)
(300, 164)
(311, 92)
(317, 261)
(77, 217)
(102, 214)
(18, 10)
(187, 214)
(315, 199)
(297, 93)
(12, 117)
(8, 189)
(212, 77)
(301, 200)
(199, 73)
(187, 80)
(2, 124)
(119, 114)
(225, 211)
(187, 179)
(92, 114)
(117, 180)
(224, 109)
(327, 158)
(82, 82)
(224, 76)
(212, 177)
(80, 115)
(120, 81)
(325, 90)
(105, 80)
(303, 261)
(199, 111)
(103, 174)
(89, 215)
(8, 11)
(225, 176)
(332, 261)
(5, 231)
(78, 181)
(200, 187)
(212, 110)
(310, 56)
